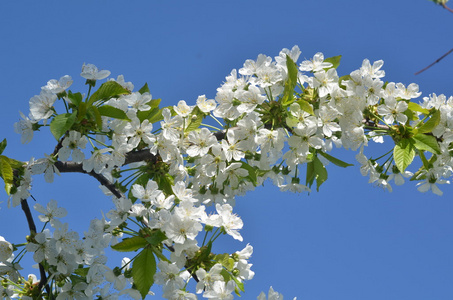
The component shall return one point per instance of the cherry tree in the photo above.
(173, 172)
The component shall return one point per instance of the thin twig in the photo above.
(439, 59)
(447, 8)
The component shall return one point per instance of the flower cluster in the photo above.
(277, 120)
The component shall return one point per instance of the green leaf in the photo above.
(130, 244)
(252, 172)
(320, 171)
(165, 183)
(305, 106)
(82, 271)
(155, 115)
(310, 175)
(144, 89)
(431, 123)
(2, 146)
(97, 116)
(7, 174)
(143, 270)
(334, 160)
(75, 99)
(82, 111)
(15, 164)
(426, 143)
(156, 238)
(106, 91)
(225, 260)
(62, 123)
(194, 120)
(112, 112)
(334, 60)
(416, 107)
(403, 154)
(344, 78)
(290, 83)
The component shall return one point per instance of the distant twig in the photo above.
(447, 8)
(439, 59)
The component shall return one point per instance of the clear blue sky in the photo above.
(349, 241)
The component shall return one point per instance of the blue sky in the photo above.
(349, 241)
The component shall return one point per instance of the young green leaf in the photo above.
(144, 89)
(305, 106)
(320, 171)
(252, 172)
(97, 116)
(75, 99)
(334, 60)
(155, 115)
(7, 174)
(194, 120)
(106, 91)
(156, 238)
(334, 160)
(426, 143)
(112, 112)
(130, 244)
(403, 154)
(416, 107)
(62, 123)
(2, 146)
(310, 175)
(143, 270)
(290, 83)
(431, 123)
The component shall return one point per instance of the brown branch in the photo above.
(72, 167)
(439, 59)
(32, 227)
(375, 125)
(447, 8)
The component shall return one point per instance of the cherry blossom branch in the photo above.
(32, 227)
(71, 167)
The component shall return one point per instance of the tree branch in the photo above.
(439, 59)
(447, 8)
(72, 167)
(32, 227)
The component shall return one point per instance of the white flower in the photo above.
(46, 166)
(221, 290)
(226, 219)
(6, 249)
(41, 106)
(200, 142)
(58, 86)
(272, 295)
(393, 110)
(206, 280)
(25, 128)
(183, 109)
(205, 105)
(316, 64)
(91, 72)
(52, 211)
(72, 144)
(139, 101)
(98, 161)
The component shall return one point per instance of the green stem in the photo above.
(215, 119)
(210, 126)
